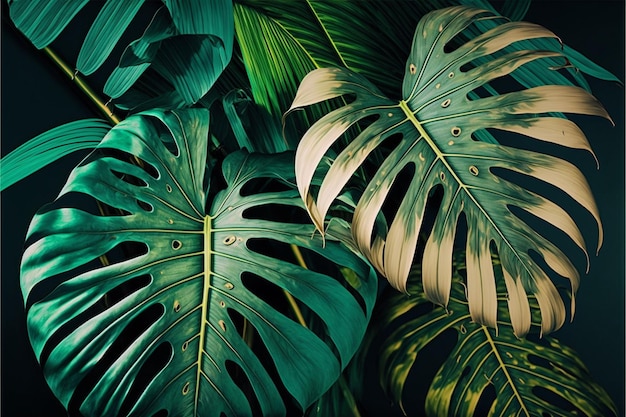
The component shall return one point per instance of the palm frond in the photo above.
(49, 147)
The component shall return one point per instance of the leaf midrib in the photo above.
(504, 369)
(205, 307)
(441, 156)
(330, 39)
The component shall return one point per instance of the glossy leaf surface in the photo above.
(49, 147)
(186, 46)
(486, 373)
(158, 326)
(434, 125)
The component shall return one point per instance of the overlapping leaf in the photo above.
(186, 46)
(282, 41)
(156, 329)
(486, 373)
(435, 122)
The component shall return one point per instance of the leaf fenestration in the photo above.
(529, 376)
(435, 123)
(171, 307)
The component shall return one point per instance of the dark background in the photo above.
(35, 97)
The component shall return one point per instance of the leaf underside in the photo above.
(158, 325)
(429, 139)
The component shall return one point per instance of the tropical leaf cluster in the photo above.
(195, 265)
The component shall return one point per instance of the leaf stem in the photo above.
(82, 85)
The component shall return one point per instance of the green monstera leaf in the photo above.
(157, 329)
(478, 370)
(428, 138)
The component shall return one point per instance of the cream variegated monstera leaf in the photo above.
(432, 133)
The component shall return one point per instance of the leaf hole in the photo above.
(467, 66)
(129, 158)
(560, 401)
(151, 367)
(397, 192)
(121, 252)
(80, 202)
(186, 388)
(239, 377)
(170, 144)
(456, 131)
(413, 69)
(267, 291)
(108, 300)
(145, 206)
(176, 244)
(539, 361)
(445, 103)
(130, 179)
(118, 345)
(486, 399)
(282, 213)
(266, 185)
(426, 365)
(229, 240)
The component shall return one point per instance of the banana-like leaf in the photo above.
(178, 59)
(435, 122)
(244, 116)
(156, 329)
(107, 29)
(187, 46)
(486, 373)
(49, 147)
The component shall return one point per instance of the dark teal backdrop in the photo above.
(35, 97)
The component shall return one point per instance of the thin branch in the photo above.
(82, 85)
